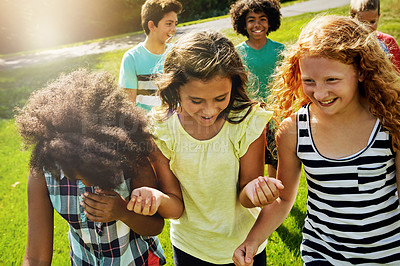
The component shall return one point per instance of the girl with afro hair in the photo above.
(90, 150)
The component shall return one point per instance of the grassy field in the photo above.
(16, 85)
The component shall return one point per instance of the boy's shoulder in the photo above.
(141, 50)
(276, 44)
(137, 49)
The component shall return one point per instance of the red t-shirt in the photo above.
(392, 46)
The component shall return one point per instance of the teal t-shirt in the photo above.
(138, 69)
(261, 65)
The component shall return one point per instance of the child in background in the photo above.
(346, 135)
(368, 11)
(211, 140)
(144, 61)
(90, 149)
(255, 19)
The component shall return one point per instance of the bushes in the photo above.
(44, 24)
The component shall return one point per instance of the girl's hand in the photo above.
(106, 206)
(145, 200)
(243, 255)
(263, 190)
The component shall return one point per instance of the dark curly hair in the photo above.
(240, 9)
(203, 56)
(83, 124)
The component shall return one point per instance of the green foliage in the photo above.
(36, 24)
(199, 9)
(43, 24)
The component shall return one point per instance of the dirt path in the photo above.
(129, 41)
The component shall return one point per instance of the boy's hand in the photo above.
(243, 255)
(263, 190)
(106, 206)
(145, 200)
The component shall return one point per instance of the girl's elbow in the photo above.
(177, 214)
(154, 230)
(159, 228)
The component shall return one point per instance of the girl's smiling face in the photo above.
(203, 101)
(330, 84)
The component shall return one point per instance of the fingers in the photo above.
(110, 193)
(243, 256)
(249, 256)
(92, 213)
(267, 190)
(138, 205)
(144, 201)
(148, 206)
(93, 217)
(143, 205)
(154, 207)
(261, 197)
(93, 206)
(239, 256)
(278, 183)
(93, 200)
(131, 203)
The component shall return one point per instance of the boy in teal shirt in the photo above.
(255, 19)
(143, 62)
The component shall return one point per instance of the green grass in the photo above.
(13, 202)
(16, 85)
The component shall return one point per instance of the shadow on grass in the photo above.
(292, 238)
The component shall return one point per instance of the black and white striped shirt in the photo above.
(353, 214)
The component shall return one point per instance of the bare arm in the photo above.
(39, 248)
(273, 215)
(131, 94)
(168, 200)
(256, 192)
(110, 206)
(145, 225)
(251, 167)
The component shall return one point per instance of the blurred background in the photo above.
(39, 24)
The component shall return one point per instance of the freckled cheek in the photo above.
(307, 91)
(310, 93)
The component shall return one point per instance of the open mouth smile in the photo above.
(170, 35)
(327, 102)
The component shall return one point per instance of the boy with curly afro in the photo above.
(255, 19)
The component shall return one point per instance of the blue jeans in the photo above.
(183, 259)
